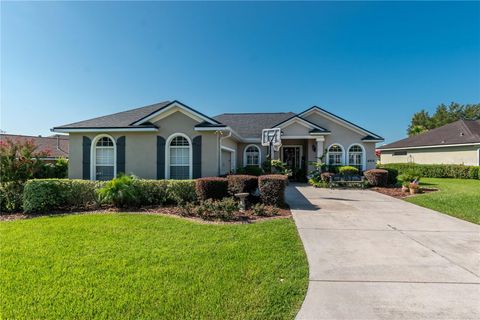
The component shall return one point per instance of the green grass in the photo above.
(124, 266)
(457, 197)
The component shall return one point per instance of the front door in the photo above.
(292, 157)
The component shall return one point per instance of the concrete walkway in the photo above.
(375, 257)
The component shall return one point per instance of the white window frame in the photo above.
(363, 164)
(245, 155)
(167, 154)
(342, 163)
(93, 156)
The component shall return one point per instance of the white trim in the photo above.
(434, 146)
(233, 161)
(364, 156)
(298, 137)
(104, 130)
(193, 114)
(337, 120)
(167, 154)
(211, 129)
(245, 155)
(299, 121)
(343, 153)
(374, 141)
(292, 146)
(478, 157)
(93, 155)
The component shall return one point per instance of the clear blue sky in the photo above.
(372, 63)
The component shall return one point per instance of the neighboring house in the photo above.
(455, 143)
(55, 146)
(170, 140)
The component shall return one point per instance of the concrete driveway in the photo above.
(372, 256)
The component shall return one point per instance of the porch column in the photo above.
(320, 141)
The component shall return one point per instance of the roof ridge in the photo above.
(255, 113)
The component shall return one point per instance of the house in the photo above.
(170, 140)
(455, 143)
(54, 147)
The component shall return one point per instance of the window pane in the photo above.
(104, 173)
(179, 172)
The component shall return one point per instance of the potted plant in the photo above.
(405, 185)
(414, 187)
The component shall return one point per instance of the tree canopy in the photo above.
(422, 121)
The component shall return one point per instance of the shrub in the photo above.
(42, 195)
(211, 188)
(217, 209)
(272, 189)
(263, 211)
(348, 170)
(318, 183)
(119, 191)
(392, 176)
(409, 176)
(151, 192)
(456, 171)
(377, 177)
(11, 196)
(181, 191)
(250, 170)
(242, 183)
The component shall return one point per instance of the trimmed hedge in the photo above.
(181, 191)
(242, 183)
(211, 188)
(377, 177)
(42, 195)
(272, 189)
(456, 171)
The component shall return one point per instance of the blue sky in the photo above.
(372, 63)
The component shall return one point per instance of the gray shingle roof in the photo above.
(250, 125)
(458, 132)
(117, 120)
(56, 146)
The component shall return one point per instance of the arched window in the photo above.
(335, 155)
(104, 158)
(179, 157)
(251, 155)
(356, 156)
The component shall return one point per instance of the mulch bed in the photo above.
(398, 193)
(240, 217)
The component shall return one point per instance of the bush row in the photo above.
(43, 195)
(456, 171)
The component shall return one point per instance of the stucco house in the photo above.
(455, 143)
(170, 140)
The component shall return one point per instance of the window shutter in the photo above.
(86, 146)
(121, 155)
(160, 157)
(197, 157)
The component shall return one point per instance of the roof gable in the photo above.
(339, 120)
(174, 106)
(304, 122)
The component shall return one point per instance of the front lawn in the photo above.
(124, 266)
(457, 197)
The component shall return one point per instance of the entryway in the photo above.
(292, 156)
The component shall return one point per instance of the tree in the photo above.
(422, 121)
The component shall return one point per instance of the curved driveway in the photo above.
(372, 256)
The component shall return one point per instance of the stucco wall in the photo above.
(140, 147)
(345, 137)
(467, 155)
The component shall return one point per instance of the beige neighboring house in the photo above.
(455, 143)
(55, 146)
(170, 140)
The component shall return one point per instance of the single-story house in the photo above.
(54, 147)
(454, 143)
(170, 140)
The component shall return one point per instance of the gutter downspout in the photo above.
(220, 151)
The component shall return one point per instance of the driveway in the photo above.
(372, 256)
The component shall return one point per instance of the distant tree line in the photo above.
(422, 121)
